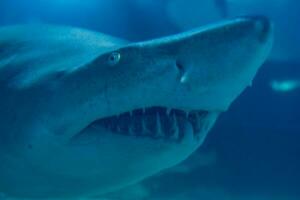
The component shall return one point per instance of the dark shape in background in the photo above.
(129, 19)
(223, 7)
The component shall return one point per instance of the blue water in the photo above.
(253, 151)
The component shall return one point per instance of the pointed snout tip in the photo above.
(263, 25)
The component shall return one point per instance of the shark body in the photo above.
(83, 113)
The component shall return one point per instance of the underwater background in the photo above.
(253, 152)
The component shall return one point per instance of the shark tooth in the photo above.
(158, 127)
(174, 128)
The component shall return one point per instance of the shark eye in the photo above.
(114, 58)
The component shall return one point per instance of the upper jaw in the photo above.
(156, 123)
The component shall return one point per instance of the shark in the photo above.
(84, 113)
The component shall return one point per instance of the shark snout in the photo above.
(263, 27)
(216, 63)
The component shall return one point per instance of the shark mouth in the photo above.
(159, 123)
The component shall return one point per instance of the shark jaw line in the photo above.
(157, 123)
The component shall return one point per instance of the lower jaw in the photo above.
(159, 123)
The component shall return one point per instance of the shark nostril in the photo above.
(179, 66)
(181, 71)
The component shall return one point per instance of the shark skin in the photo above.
(84, 114)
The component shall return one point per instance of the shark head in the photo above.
(136, 108)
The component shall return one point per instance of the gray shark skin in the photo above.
(84, 114)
